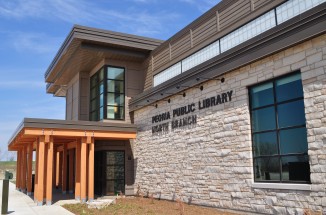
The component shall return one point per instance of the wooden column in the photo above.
(64, 169)
(57, 171)
(71, 171)
(83, 163)
(45, 167)
(54, 170)
(60, 169)
(24, 169)
(18, 170)
(36, 171)
(91, 170)
(49, 177)
(40, 175)
(29, 168)
(77, 172)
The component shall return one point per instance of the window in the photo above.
(279, 135)
(107, 94)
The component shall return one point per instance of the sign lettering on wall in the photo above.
(186, 113)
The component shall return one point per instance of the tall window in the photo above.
(107, 94)
(279, 134)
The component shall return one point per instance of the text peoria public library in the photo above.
(230, 112)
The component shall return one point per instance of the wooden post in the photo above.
(60, 169)
(40, 175)
(83, 158)
(45, 167)
(29, 169)
(57, 173)
(24, 165)
(36, 171)
(18, 170)
(64, 169)
(91, 171)
(49, 172)
(54, 169)
(77, 172)
(71, 171)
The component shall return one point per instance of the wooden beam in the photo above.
(80, 133)
(36, 172)
(57, 170)
(49, 173)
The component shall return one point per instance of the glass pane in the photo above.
(115, 158)
(101, 100)
(289, 88)
(262, 95)
(101, 113)
(263, 119)
(265, 144)
(115, 99)
(167, 74)
(115, 172)
(94, 80)
(93, 105)
(295, 168)
(101, 87)
(115, 112)
(115, 86)
(101, 74)
(291, 114)
(115, 73)
(267, 169)
(93, 92)
(294, 141)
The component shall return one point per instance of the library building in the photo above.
(229, 113)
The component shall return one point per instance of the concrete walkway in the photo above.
(20, 203)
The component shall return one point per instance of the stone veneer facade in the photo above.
(211, 163)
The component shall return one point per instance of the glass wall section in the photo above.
(293, 8)
(201, 56)
(115, 93)
(167, 74)
(248, 31)
(285, 11)
(107, 94)
(279, 134)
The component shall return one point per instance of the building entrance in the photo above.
(109, 172)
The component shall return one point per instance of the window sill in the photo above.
(282, 186)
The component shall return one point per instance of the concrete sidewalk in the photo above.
(20, 203)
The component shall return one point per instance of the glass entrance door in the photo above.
(115, 172)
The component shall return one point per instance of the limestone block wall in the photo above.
(210, 163)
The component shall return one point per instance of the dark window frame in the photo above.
(275, 104)
(105, 93)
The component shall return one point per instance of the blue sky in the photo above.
(31, 32)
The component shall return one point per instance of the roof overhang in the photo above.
(86, 47)
(68, 131)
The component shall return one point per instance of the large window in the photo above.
(107, 94)
(279, 134)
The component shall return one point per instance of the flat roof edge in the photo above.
(71, 125)
(82, 32)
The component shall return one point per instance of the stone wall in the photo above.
(210, 163)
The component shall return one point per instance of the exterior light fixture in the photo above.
(217, 79)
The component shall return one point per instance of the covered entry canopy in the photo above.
(53, 141)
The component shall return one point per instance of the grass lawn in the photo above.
(145, 206)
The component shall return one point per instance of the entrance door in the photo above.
(115, 172)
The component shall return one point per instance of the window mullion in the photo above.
(277, 131)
